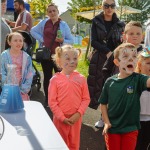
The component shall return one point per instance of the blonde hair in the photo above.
(59, 51)
(132, 24)
(103, 2)
(141, 59)
(121, 47)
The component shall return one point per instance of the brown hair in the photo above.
(132, 24)
(3, 1)
(52, 4)
(20, 2)
(60, 50)
(121, 47)
(9, 36)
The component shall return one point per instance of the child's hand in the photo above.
(67, 121)
(74, 118)
(59, 40)
(106, 127)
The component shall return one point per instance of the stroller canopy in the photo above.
(10, 5)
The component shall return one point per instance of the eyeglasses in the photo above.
(112, 6)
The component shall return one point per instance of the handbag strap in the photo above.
(52, 42)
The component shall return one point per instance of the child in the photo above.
(132, 34)
(68, 96)
(14, 55)
(119, 101)
(143, 67)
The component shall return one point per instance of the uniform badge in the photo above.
(130, 89)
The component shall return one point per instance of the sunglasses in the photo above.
(112, 6)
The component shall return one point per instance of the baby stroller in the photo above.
(29, 46)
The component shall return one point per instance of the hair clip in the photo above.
(146, 52)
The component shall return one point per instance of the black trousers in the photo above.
(48, 67)
(143, 141)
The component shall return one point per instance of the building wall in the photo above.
(82, 28)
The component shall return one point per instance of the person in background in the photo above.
(44, 32)
(106, 35)
(120, 100)
(133, 33)
(14, 55)
(143, 67)
(24, 20)
(5, 29)
(68, 96)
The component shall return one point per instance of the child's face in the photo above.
(16, 42)
(69, 61)
(145, 66)
(134, 36)
(127, 61)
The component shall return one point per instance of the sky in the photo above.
(62, 5)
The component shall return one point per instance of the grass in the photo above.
(83, 66)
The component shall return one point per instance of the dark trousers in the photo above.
(48, 67)
(143, 141)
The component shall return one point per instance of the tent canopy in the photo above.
(119, 10)
(10, 5)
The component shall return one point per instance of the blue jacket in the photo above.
(37, 32)
(27, 70)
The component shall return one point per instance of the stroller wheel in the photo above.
(38, 86)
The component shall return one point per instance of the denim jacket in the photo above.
(27, 70)
(37, 32)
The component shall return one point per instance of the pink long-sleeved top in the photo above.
(68, 95)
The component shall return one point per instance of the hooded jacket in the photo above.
(99, 41)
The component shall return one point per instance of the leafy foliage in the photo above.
(83, 5)
(38, 8)
(143, 5)
(87, 5)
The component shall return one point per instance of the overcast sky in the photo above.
(62, 5)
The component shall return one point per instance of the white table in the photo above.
(30, 129)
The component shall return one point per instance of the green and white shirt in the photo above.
(122, 96)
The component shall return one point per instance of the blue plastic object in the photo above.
(11, 100)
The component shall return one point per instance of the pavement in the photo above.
(91, 138)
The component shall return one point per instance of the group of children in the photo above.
(123, 97)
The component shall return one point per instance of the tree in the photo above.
(38, 8)
(143, 5)
(83, 5)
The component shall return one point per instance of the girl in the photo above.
(14, 55)
(68, 96)
(143, 67)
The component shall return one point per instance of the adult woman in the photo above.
(44, 32)
(106, 34)
(5, 29)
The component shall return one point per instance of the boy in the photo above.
(132, 34)
(119, 101)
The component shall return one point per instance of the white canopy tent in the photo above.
(119, 10)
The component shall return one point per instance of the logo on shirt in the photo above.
(130, 89)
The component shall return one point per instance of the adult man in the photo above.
(24, 20)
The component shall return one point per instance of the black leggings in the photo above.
(143, 141)
(48, 67)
